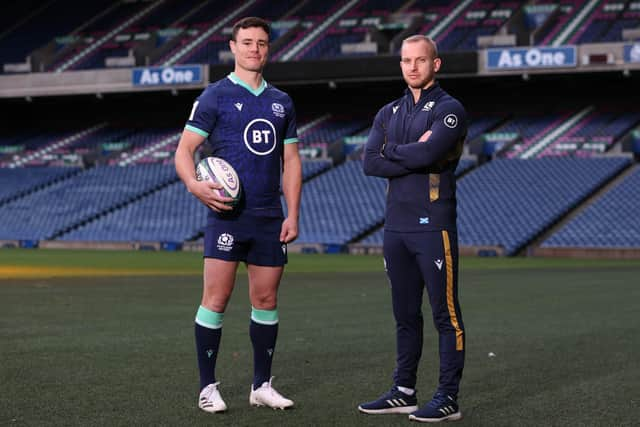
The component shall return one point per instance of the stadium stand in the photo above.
(54, 209)
(100, 33)
(479, 19)
(580, 131)
(168, 32)
(15, 183)
(169, 214)
(203, 38)
(540, 158)
(595, 133)
(332, 128)
(340, 205)
(43, 22)
(507, 203)
(317, 20)
(37, 149)
(610, 222)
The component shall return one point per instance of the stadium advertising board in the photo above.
(632, 53)
(531, 58)
(167, 76)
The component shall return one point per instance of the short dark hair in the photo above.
(249, 22)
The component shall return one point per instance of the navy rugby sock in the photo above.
(208, 332)
(263, 331)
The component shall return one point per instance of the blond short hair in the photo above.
(419, 37)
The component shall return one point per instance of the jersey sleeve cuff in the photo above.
(198, 131)
(291, 140)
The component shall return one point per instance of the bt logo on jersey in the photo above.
(260, 137)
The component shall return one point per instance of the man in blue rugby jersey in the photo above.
(252, 125)
(416, 142)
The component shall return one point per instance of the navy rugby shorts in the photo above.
(251, 239)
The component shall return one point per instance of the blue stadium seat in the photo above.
(610, 222)
(509, 202)
(340, 205)
(47, 212)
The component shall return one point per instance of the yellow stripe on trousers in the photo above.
(450, 305)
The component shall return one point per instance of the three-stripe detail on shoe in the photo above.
(447, 410)
(396, 402)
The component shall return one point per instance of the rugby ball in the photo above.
(219, 170)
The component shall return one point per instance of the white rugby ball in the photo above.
(219, 170)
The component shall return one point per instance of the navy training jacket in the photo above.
(421, 194)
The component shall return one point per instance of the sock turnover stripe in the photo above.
(208, 318)
(264, 317)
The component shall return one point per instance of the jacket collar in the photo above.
(424, 93)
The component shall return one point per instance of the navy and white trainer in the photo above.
(392, 402)
(441, 408)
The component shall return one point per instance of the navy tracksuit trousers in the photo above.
(413, 261)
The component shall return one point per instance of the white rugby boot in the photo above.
(266, 395)
(210, 399)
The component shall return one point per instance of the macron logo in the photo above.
(395, 109)
(238, 106)
(438, 263)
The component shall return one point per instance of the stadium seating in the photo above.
(39, 146)
(596, 133)
(116, 19)
(20, 181)
(611, 221)
(311, 168)
(483, 123)
(340, 205)
(332, 128)
(479, 19)
(45, 213)
(330, 44)
(560, 19)
(508, 203)
(169, 215)
(353, 27)
(599, 24)
(583, 132)
(545, 158)
(537, 14)
(204, 33)
(629, 20)
(35, 24)
(191, 31)
(434, 13)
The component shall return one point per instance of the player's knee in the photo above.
(215, 302)
(264, 301)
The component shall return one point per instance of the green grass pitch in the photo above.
(118, 350)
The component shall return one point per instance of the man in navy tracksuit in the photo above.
(416, 142)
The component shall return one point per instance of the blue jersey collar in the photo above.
(236, 80)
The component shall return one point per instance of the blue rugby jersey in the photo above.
(248, 128)
(421, 195)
